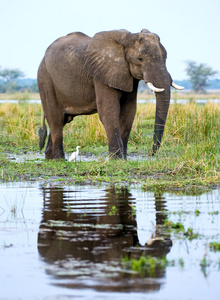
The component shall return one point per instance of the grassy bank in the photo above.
(189, 156)
(19, 96)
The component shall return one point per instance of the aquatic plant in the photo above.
(204, 264)
(113, 211)
(214, 246)
(179, 227)
(181, 263)
(145, 265)
(212, 213)
(197, 212)
(190, 234)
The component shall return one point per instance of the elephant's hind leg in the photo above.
(54, 148)
(54, 115)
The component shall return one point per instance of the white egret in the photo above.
(74, 155)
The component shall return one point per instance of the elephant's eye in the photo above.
(140, 58)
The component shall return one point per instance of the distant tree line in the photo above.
(12, 80)
(199, 79)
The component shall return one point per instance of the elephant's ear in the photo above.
(105, 60)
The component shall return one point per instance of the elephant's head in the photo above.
(117, 57)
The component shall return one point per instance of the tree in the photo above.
(199, 74)
(34, 88)
(9, 78)
(10, 75)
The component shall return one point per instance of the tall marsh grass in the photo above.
(18, 124)
(189, 126)
(85, 131)
(194, 126)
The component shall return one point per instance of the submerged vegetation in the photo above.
(215, 246)
(189, 156)
(145, 265)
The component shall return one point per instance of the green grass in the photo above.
(188, 158)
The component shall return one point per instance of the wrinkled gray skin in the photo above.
(80, 75)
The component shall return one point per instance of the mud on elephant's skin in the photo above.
(80, 75)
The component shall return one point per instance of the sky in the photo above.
(189, 29)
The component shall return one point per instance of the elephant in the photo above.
(80, 75)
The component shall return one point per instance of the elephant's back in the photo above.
(64, 60)
(75, 41)
(66, 54)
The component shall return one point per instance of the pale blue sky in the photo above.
(189, 29)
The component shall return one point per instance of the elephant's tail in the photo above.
(42, 134)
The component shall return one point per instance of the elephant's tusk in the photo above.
(176, 86)
(153, 88)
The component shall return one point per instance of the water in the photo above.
(59, 242)
(31, 101)
(172, 101)
(183, 101)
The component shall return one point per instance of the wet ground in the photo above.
(37, 156)
(88, 242)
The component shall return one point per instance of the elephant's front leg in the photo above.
(126, 121)
(127, 114)
(108, 105)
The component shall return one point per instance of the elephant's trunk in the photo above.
(162, 106)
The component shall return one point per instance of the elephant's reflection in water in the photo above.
(91, 232)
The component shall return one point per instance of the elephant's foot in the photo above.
(48, 153)
(59, 154)
(154, 149)
(56, 155)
